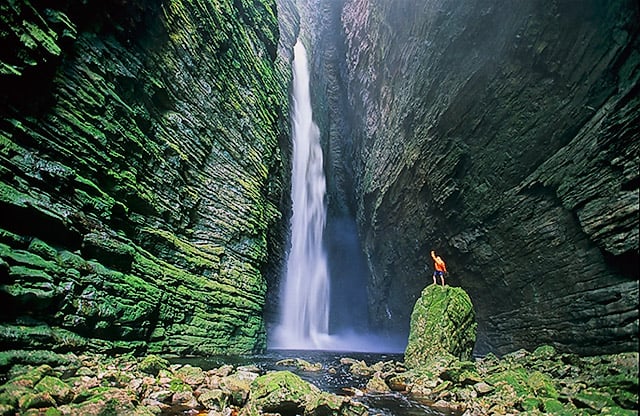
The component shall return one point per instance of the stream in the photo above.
(340, 381)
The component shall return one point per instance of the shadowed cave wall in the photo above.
(505, 137)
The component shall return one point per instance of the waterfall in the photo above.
(305, 296)
(304, 309)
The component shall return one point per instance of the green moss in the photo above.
(554, 407)
(618, 411)
(442, 322)
(57, 388)
(43, 249)
(10, 238)
(6, 69)
(190, 375)
(25, 273)
(41, 336)
(200, 256)
(594, 399)
(544, 352)
(516, 378)
(281, 388)
(72, 260)
(52, 411)
(35, 357)
(531, 403)
(153, 364)
(176, 385)
(542, 385)
(124, 154)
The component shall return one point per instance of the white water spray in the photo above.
(304, 312)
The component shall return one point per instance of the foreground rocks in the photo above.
(539, 382)
(98, 385)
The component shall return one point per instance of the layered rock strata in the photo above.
(141, 174)
(505, 137)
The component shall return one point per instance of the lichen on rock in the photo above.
(442, 323)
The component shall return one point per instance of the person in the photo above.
(440, 268)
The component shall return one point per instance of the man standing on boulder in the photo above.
(440, 268)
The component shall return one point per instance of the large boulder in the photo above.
(442, 322)
(286, 393)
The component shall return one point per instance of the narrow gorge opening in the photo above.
(323, 299)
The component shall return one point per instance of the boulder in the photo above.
(237, 386)
(377, 384)
(442, 322)
(281, 392)
(152, 364)
(286, 393)
(300, 363)
(333, 404)
(190, 375)
(213, 399)
(58, 389)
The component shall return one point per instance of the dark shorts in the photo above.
(438, 273)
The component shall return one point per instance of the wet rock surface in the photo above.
(99, 385)
(142, 174)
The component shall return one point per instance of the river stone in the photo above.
(332, 404)
(192, 376)
(213, 399)
(152, 364)
(35, 400)
(442, 322)
(281, 392)
(300, 363)
(377, 384)
(238, 386)
(57, 388)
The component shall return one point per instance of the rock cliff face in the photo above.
(505, 137)
(141, 174)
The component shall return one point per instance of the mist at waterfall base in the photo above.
(313, 315)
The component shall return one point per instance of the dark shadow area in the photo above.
(29, 221)
(349, 276)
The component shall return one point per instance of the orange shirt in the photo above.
(439, 265)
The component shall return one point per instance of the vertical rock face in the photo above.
(141, 174)
(505, 137)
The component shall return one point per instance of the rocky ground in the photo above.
(539, 382)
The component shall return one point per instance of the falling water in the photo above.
(304, 312)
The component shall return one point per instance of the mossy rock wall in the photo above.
(142, 174)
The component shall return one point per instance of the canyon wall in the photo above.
(143, 174)
(504, 136)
